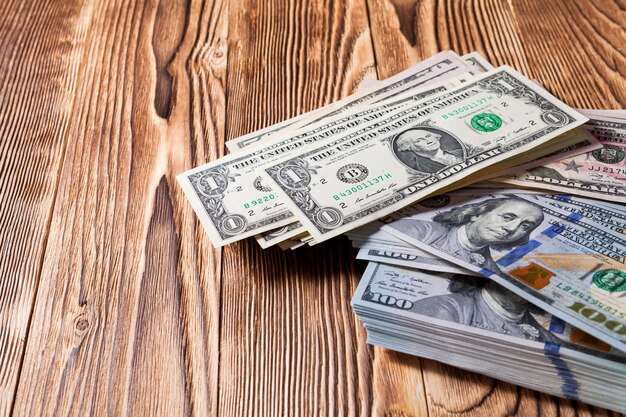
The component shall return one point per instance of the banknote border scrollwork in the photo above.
(522, 91)
(215, 209)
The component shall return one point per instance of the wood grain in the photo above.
(577, 49)
(406, 32)
(398, 384)
(104, 103)
(127, 315)
(35, 105)
(289, 343)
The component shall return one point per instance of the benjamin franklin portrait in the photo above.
(470, 231)
(485, 305)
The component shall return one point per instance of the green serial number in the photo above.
(261, 200)
(362, 186)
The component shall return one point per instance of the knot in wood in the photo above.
(217, 53)
(82, 324)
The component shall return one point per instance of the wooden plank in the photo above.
(127, 314)
(406, 31)
(576, 49)
(398, 385)
(35, 105)
(394, 35)
(289, 342)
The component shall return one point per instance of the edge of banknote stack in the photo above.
(489, 211)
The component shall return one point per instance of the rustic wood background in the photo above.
(112, 300)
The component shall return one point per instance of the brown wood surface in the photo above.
(112, 300)
(41, 48)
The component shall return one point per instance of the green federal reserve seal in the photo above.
(609, 154)
(486, 122)
(611, 280)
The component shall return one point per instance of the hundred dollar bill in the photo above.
(394, 291)
(597, 174)
(230, 197)
(391, 257)
(479, 325)
(435, 69)
(558, 260)
(380, 246)
(500, 117)
(611, 216)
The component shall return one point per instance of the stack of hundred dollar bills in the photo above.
(490, 212)
(524, 287)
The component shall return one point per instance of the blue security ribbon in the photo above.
(557, 325)
(518, 253)
(563, 197)
(570, 385)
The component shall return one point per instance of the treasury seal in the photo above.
(609, 154)
(611, 280)
(486, 122)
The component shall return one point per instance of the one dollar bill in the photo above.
(231, 198)
(497, 118)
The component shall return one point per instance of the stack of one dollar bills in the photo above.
(489, 211)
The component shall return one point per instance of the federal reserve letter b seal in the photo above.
(352, 173)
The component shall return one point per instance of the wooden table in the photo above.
(112, 300)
